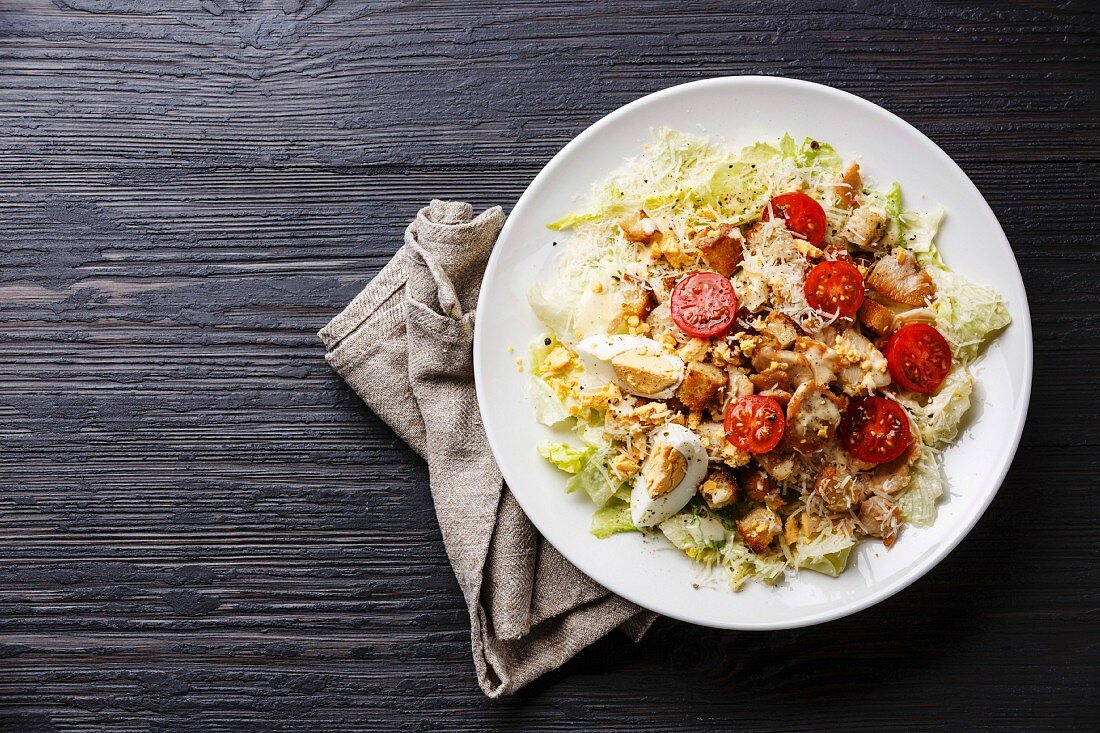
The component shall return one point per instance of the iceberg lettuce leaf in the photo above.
(827, 553)
(549, 410)
(968, 313)
(918, 501)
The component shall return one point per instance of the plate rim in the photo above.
(928, 562)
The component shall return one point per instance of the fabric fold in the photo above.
(405, 346)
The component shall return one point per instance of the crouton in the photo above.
(864, 228)
(898, 277)
(875, 317)
(782, 326)
(759, 486)
(636, 300)
(720, 488)
(780, 466)
(722, 248)
(758, 528)
(703, 385)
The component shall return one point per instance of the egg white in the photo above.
(645, 511)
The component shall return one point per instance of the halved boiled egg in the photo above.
(670, 475)
(636, 363)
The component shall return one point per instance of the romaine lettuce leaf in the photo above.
(564, 456)
(595, 479)
(612, 518)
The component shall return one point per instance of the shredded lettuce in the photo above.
(685, 180)
(612, 518)
(918, 501)
(564, 456)
(706, 539)
(968, 313)
(743, 564)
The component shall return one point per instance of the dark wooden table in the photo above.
(202, 528)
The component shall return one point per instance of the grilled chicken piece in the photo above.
(782, 396)
(640, 229)
(881, 518)
(780, 466)
(783, 327)
(720, 488)
(722, 248)
(875, 317)
(702, 387)
(771, 378)
(740, 385)
(759, 486)
(821, 358)
(720, 450)
(838, 490)
(864, 367)
(797, 366)
(812, 417)
(759, 528)
(865, 228)
(898, 277)
(694, 350)
(848, 184)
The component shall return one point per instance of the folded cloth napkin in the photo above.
(405, 346)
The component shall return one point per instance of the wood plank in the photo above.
(202, 528)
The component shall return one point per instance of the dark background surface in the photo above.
(201, 526)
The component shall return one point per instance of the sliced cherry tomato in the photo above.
(919, 357)
(704, 304)
(755, 423)
(803, 216)
(835, 287)
(875, 429)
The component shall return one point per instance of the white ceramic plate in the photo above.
(742, 110)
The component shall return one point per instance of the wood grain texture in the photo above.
(202, 528)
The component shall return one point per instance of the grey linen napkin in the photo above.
(405, 346)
